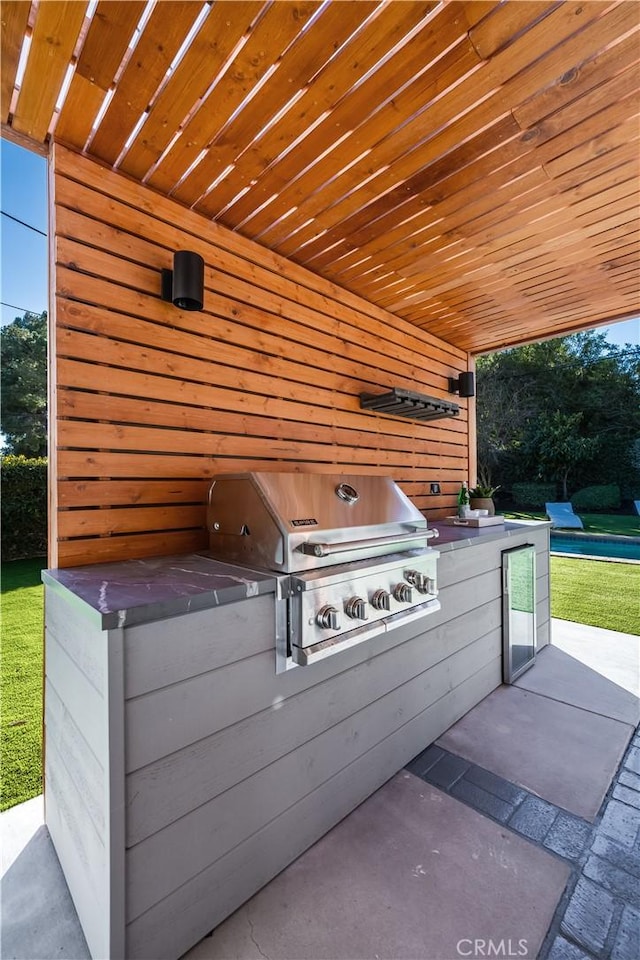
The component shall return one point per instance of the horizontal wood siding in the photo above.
(151, 401)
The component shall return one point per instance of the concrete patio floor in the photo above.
(508, 840)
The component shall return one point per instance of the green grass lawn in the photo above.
(21, 683)
(596, 592)
(618, 525)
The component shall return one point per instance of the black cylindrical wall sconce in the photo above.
(464, 385)
(184, 285)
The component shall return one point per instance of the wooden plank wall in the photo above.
(149, 402)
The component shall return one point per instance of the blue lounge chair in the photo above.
(562, 515)
(636, 504)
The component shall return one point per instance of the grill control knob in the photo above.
(381, 600)
(403, 593)
(419, 580)
(356, 608)
(328, 618)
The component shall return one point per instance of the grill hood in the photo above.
(297, 521)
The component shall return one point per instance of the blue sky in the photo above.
(23, 192)
(24, 276)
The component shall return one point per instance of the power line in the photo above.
(22, 223)
(36, 313)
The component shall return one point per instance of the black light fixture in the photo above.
(464, 385)
(184, 285)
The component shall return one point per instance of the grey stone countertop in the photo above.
(453, 537)
(140, 591)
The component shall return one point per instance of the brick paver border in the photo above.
(598, 915)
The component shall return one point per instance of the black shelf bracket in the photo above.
(405, 403)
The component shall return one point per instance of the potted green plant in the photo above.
(481, 497)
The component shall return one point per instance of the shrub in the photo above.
(597, 498)
(24, 507)
(533, 494)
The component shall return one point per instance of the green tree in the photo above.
(23, 402)
(519, 389)
(558, 448)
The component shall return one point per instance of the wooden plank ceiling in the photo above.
(469, 166)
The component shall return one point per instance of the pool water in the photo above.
(595, 548)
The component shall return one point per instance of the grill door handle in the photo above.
(331, 549)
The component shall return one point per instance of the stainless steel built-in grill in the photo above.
(352, 551)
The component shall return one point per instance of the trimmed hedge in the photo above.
(597, 498)
(24, 507)
(533, 494)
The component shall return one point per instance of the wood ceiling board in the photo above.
(105, 45)
(14, 17)
(599, 192)
(616, 91)
(393, 202)
(476, 10)
(279, 26)
(460, 193)
(208, 51)
(400, 169)
(483, 83)
(340, 199)
(377, 122)
(55, 34)
(107, 39)
(350, 65)
(623, 127)
(504, 23)
(427, 225)
(303, 61)
(581, 78)
(614, 163)
(497, 206)
(395, 167)
(159, 43)
(81, 106)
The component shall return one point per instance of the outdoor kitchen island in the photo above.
(183, 772)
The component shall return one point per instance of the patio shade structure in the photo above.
(470, 167)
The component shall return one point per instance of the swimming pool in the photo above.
(592, 547)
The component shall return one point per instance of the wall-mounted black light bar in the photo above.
(464, 385)
(184, 285)
(406, 403)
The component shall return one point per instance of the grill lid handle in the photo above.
(330, 549)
